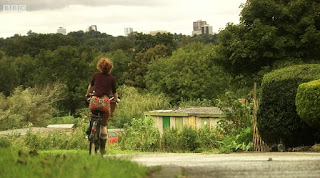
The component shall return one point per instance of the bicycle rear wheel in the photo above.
(90, 148)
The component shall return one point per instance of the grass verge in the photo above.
(62, 163)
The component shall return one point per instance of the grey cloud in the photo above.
(33, 5)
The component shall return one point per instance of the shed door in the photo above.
(166, 122)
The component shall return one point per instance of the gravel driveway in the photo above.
(252, 164)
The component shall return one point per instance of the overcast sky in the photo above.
(112, 16)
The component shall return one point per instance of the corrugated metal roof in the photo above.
(188, 111)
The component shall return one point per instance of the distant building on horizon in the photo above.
(62, 30)
(128, 31)
(153, 33)
(92, 28)
(201, 27)
(206, 29)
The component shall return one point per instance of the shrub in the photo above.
(238, 141)
(189, 139)
(208, 139)
(30, 105)
(308, 103)
(171, 140)
(238, 115)
(141, 135)
(277, 117)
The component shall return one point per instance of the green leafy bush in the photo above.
(141, 135)
(241, 141)
(171, 140)
(308, 103)
(238, 114)
(189, 139)
(208, 139)
(29, 106)
(277, 116)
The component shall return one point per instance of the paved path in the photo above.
(32, 129)
(272, 164)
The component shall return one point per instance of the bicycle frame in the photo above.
(94, 137)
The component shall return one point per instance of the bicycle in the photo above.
(94, 128)
(94, 136)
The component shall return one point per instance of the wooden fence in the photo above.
(258, 143)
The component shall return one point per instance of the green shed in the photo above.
(195, 117)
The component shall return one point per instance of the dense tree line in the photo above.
(42, 59)
(271, 34)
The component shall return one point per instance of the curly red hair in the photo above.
(105, 65)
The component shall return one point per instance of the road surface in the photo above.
(251, 164)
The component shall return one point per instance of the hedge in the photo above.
(277, 116)
(308, 103)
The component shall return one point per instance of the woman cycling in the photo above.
(102, 84)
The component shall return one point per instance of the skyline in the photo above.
(112, 16)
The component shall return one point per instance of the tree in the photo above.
(188, 74)
(69, 65)
(270, 31)
(138, 67)
(8, 75)
(25, 67)
(34, 43)
(120, 64)
(205, 38)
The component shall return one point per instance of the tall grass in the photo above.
(133, 104)
(77, 164)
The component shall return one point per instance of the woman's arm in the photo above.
(90, 90)
(115, 96)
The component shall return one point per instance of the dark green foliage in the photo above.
(68, 65)
(308, 103)
(270, 31)
(277, 116)
(189, 139)
(188, 74)
(9, 77)
(138, 67)
(34, 43)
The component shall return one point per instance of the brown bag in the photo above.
(100, 104)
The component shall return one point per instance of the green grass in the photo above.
(64, 163)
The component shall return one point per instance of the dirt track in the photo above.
(287, 164)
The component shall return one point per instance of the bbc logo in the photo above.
(14, 8)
